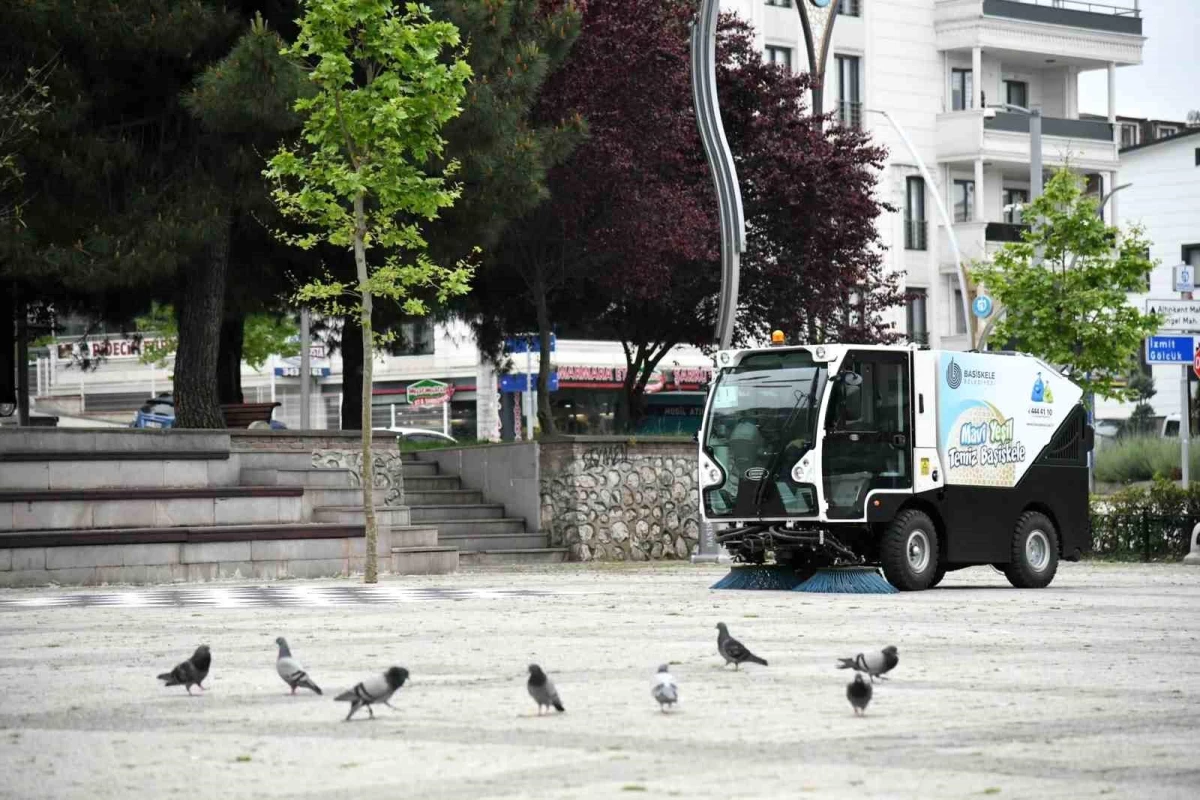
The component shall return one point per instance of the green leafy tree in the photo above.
(386, 81)
(264, 335)
(1063, 289)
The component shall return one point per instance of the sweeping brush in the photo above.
(765, 576)
(846, 580)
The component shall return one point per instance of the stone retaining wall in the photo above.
(611, 499)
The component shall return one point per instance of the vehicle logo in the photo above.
(1041, 391)
(756, 473)
(954, 375)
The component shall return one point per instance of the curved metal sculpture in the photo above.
(720, 161)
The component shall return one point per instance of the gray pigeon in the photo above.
(733, 651)
(542, 690)
(374, 690)
(290, 670)
(874, 665)
(191, 672)
(664, 689)
(858, 692)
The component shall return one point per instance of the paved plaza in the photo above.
(1085, 689)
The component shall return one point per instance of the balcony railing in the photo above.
(1004, 232)
(1075, 13)
(1051, 126)
(850, 114)
(916, 233)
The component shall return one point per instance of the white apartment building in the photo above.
(933, 65)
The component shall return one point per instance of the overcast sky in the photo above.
(1166, 85)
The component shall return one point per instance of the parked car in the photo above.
(416, 435)
(157, 412)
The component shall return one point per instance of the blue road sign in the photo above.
(982, 306)
(516, 383)
(520, 344)
(1170, 349)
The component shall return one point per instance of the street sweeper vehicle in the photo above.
(914, 460)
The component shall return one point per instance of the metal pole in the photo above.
(1185, 425)
(23, 360)
(1035, 154)
(305, 370)
(446, 417)
(529, 388)
(941, 209)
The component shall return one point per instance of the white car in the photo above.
(417, 435)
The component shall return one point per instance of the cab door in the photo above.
(868, 431)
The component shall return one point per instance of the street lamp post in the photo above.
(1035, 143)
(941, 209)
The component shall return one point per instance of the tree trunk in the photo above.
(229, 359)
(8, 344)
(200, 313)
(371, 571)
(352, 374)
(545, 415)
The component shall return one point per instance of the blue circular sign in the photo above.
(820, 3)
(982, 306)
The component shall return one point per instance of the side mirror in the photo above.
(851, 378)
(696, 437)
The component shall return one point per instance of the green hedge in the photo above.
(1143, 458)
(1146, 523)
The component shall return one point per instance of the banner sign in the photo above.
(429, 393)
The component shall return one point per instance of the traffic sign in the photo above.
(1196, 363)
(1185, 278)
(1178, 315)
(982, 306)
(528, 342)
(1171, 350)
(517, 382)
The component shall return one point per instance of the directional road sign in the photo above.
(1178, 315)
(1171, 349)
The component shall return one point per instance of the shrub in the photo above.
(1143, 458)
(1145, 522)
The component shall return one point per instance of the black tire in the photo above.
(909, 551)
(1033, 563)
(937, 577)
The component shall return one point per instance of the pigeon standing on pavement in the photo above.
(378, 689)
(664, 689)
(858, 692)
(874, 665)
(191, 672)
(733, 651)
(542, 690)
(290, 670)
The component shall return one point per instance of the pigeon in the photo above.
(664, 689)
(733, 651)
(542, 690)
(858, 692)
(191, 672)
(290, 670)
(374, 690)
(875, 665)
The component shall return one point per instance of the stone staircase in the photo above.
(479, 527)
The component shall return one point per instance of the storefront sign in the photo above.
(429, 393)
(106, 348)
(614, 377)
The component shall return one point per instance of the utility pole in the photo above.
(305, 370)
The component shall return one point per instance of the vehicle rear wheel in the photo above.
(1034, 552)
(909, 551)
(937, 577)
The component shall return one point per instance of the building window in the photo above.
(918, 327)
(1014, 202)
(964, 201)
(1167, 130)
(914, 214)
(1130, 134)
(962, 90)
(849, 99)
(781, 56)
(414, 338)
(850, 8)
(960, 321)
(1198, 156)
(780, 3)
(1016, 93)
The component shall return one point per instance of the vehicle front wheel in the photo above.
(937, 577)
(1034, 552)
(909, 551)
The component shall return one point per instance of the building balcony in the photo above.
(849, 114)
(1090, 34)
(964, 136)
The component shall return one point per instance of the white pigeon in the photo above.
(875, 665)
(664, 689)
(290, 670)
(378, 689)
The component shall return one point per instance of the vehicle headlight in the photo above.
(710, 474)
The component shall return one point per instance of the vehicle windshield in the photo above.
(761, 421)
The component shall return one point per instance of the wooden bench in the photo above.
(113, 455)
(208, 533)
(240, 415)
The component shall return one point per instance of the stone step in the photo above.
(433, 560)
(390, 516)
(488, 558)
(419, 469)
(88, 440)
(469, 526)
(414, 536)
(316, 478)
(494, 541)
(323, 496)
(273, 459)
(83, 509)
(95, 538)
(144, 470)
(422, 483)
(440, 497)
(427, 513)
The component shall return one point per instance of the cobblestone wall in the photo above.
(613, 500)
